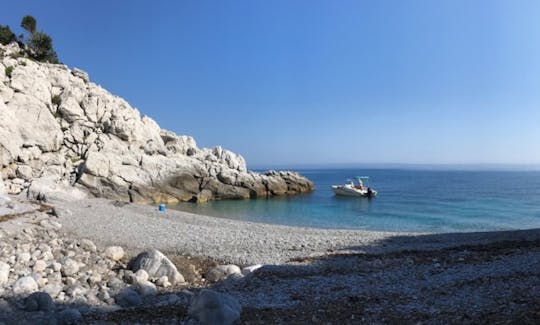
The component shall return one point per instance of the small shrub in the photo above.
(16, 55)
(29, 23)
(23, 63)
(41, 48)
(56, 100)
(6, 35)
(9, 71)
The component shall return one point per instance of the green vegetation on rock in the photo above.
(41, 49)
(56, 100)
(38, 47)
(9, 71)
(6, 35)
(29, 24)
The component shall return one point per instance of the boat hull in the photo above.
(352, 191)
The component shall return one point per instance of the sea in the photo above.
(408, 200)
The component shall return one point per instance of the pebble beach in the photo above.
(138, 226)
(276, 274)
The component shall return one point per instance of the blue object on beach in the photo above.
(162, 208)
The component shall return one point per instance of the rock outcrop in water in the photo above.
(62, 135)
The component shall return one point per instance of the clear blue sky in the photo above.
(308, 82)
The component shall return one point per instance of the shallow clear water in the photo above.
(407, 200)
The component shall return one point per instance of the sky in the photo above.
(317, 82)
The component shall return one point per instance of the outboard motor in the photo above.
(369, 192)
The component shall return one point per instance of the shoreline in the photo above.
(309, 275)
(240, 242)
(359, 229)
(350, 277)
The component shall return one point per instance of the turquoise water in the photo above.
(408, 200)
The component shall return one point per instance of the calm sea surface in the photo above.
(407, 200)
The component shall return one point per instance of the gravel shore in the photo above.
(138, 227)
(310, 276)
(337, 276)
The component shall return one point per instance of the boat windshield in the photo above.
(359, 179)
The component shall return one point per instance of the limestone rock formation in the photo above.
(62, 136)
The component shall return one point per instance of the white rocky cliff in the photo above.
(64, 136)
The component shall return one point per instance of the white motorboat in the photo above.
(351, 189)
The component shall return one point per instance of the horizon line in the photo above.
(421, 166)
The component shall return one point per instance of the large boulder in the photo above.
(214, 308)
(36, 125)
(156, 265)
(221, 272)
(128, 298)
(224, 191)
(25, 285)
(69, 316)
(55, 188)
(39, 301)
